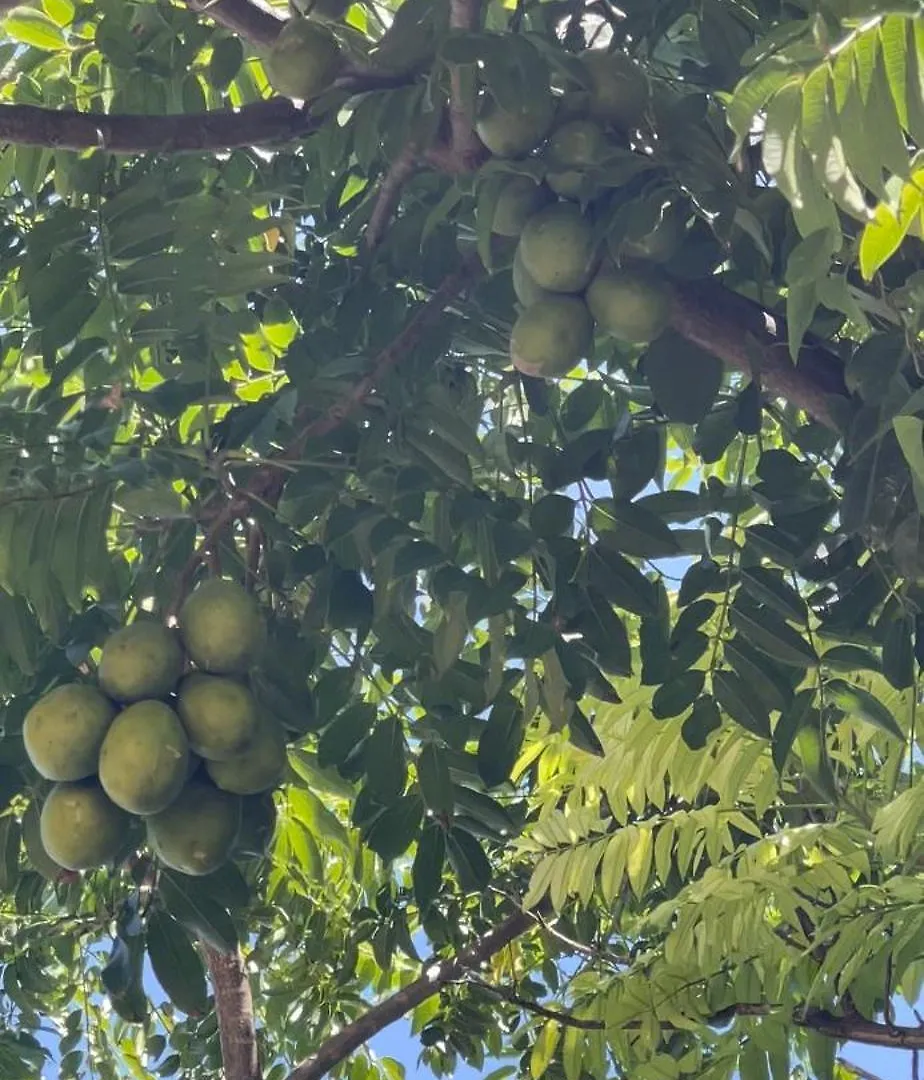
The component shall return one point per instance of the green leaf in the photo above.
(623, 584)
(385, 761)
(176, 964)
(33, 27)
(702, 721)
(393, 831)
(606, 633)
(788, 725)
(898, 653)
(501, 741)
(632, 529)
(883, 235)
(855, 701)
(344, 734)
(468, 860)
(582, 734)
(451, 633)
(427, 870)
(225, 61)
(435, 780)
(187, 901)
(544, 1048)
(772, 636)
(739, 701)
(677, 696)
(683, 378)
(768, 587)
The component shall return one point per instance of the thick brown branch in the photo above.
(402, 169)
(264, 123)
(856, 1029)
(234, 1006)
(464, 15)
(249, 19)
(435, 976)
(743, 336)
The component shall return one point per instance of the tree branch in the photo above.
(435, 976)
(234, 1005)
(249, 19)
(746, 338)
(857, 1029)
(566, 1019)
(401, 170)
(466, 147)
(261, 124)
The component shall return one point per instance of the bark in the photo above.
(234, 1006)
(435, 976)
(467, 149)
(746, 338)
(249, 19)
(264, 123)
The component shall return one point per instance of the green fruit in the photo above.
(304, 59)
(528, 292)
(632, 306)
(221, 627)
(662, 243)
(258, 823)
(197, 831)
(140, 661)
(64, 730)
(551, 337)
(220, 715)
(514, 134)
(145, 758)
(80, 827)
(619, 90)
(39, 858)
(558, 249)
(258, 768)
(519, 198)
(573, 148)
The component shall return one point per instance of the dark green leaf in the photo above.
(345, 733)
(501, 741)
(176, 964)
(792, 719)
(768, 587)
(898, 654)
(773, 636)
(623, 584)
(427, 870)
(434, 779)
(393, 831)
(468, 860)
(203, 916)
(702, 721)
(582, 733)
(683, 378)
(632, 529)
(678, 695)
(385, 760)
(741, 704)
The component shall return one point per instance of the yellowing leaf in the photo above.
(882, 236)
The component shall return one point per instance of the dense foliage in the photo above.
(636, 649)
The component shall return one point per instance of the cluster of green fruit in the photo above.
(181, 748)
(567, 285)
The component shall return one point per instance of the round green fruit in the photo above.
(198, 830)
(304, 59)
(143, 660)
(525, 287)
(81, 828)
(519, 198)
(631, 306)
(258, 824)
(550, 338)
(573, 148)
(662, 243)
(258, 768)
(64, 730)
(38, 857)
(558, 249)
(619, 90)
(144, 761)
(513, 134)
(220, 715)
(221, 627)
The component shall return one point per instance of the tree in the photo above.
(599, 690)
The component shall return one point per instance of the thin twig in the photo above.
(566, 1019)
